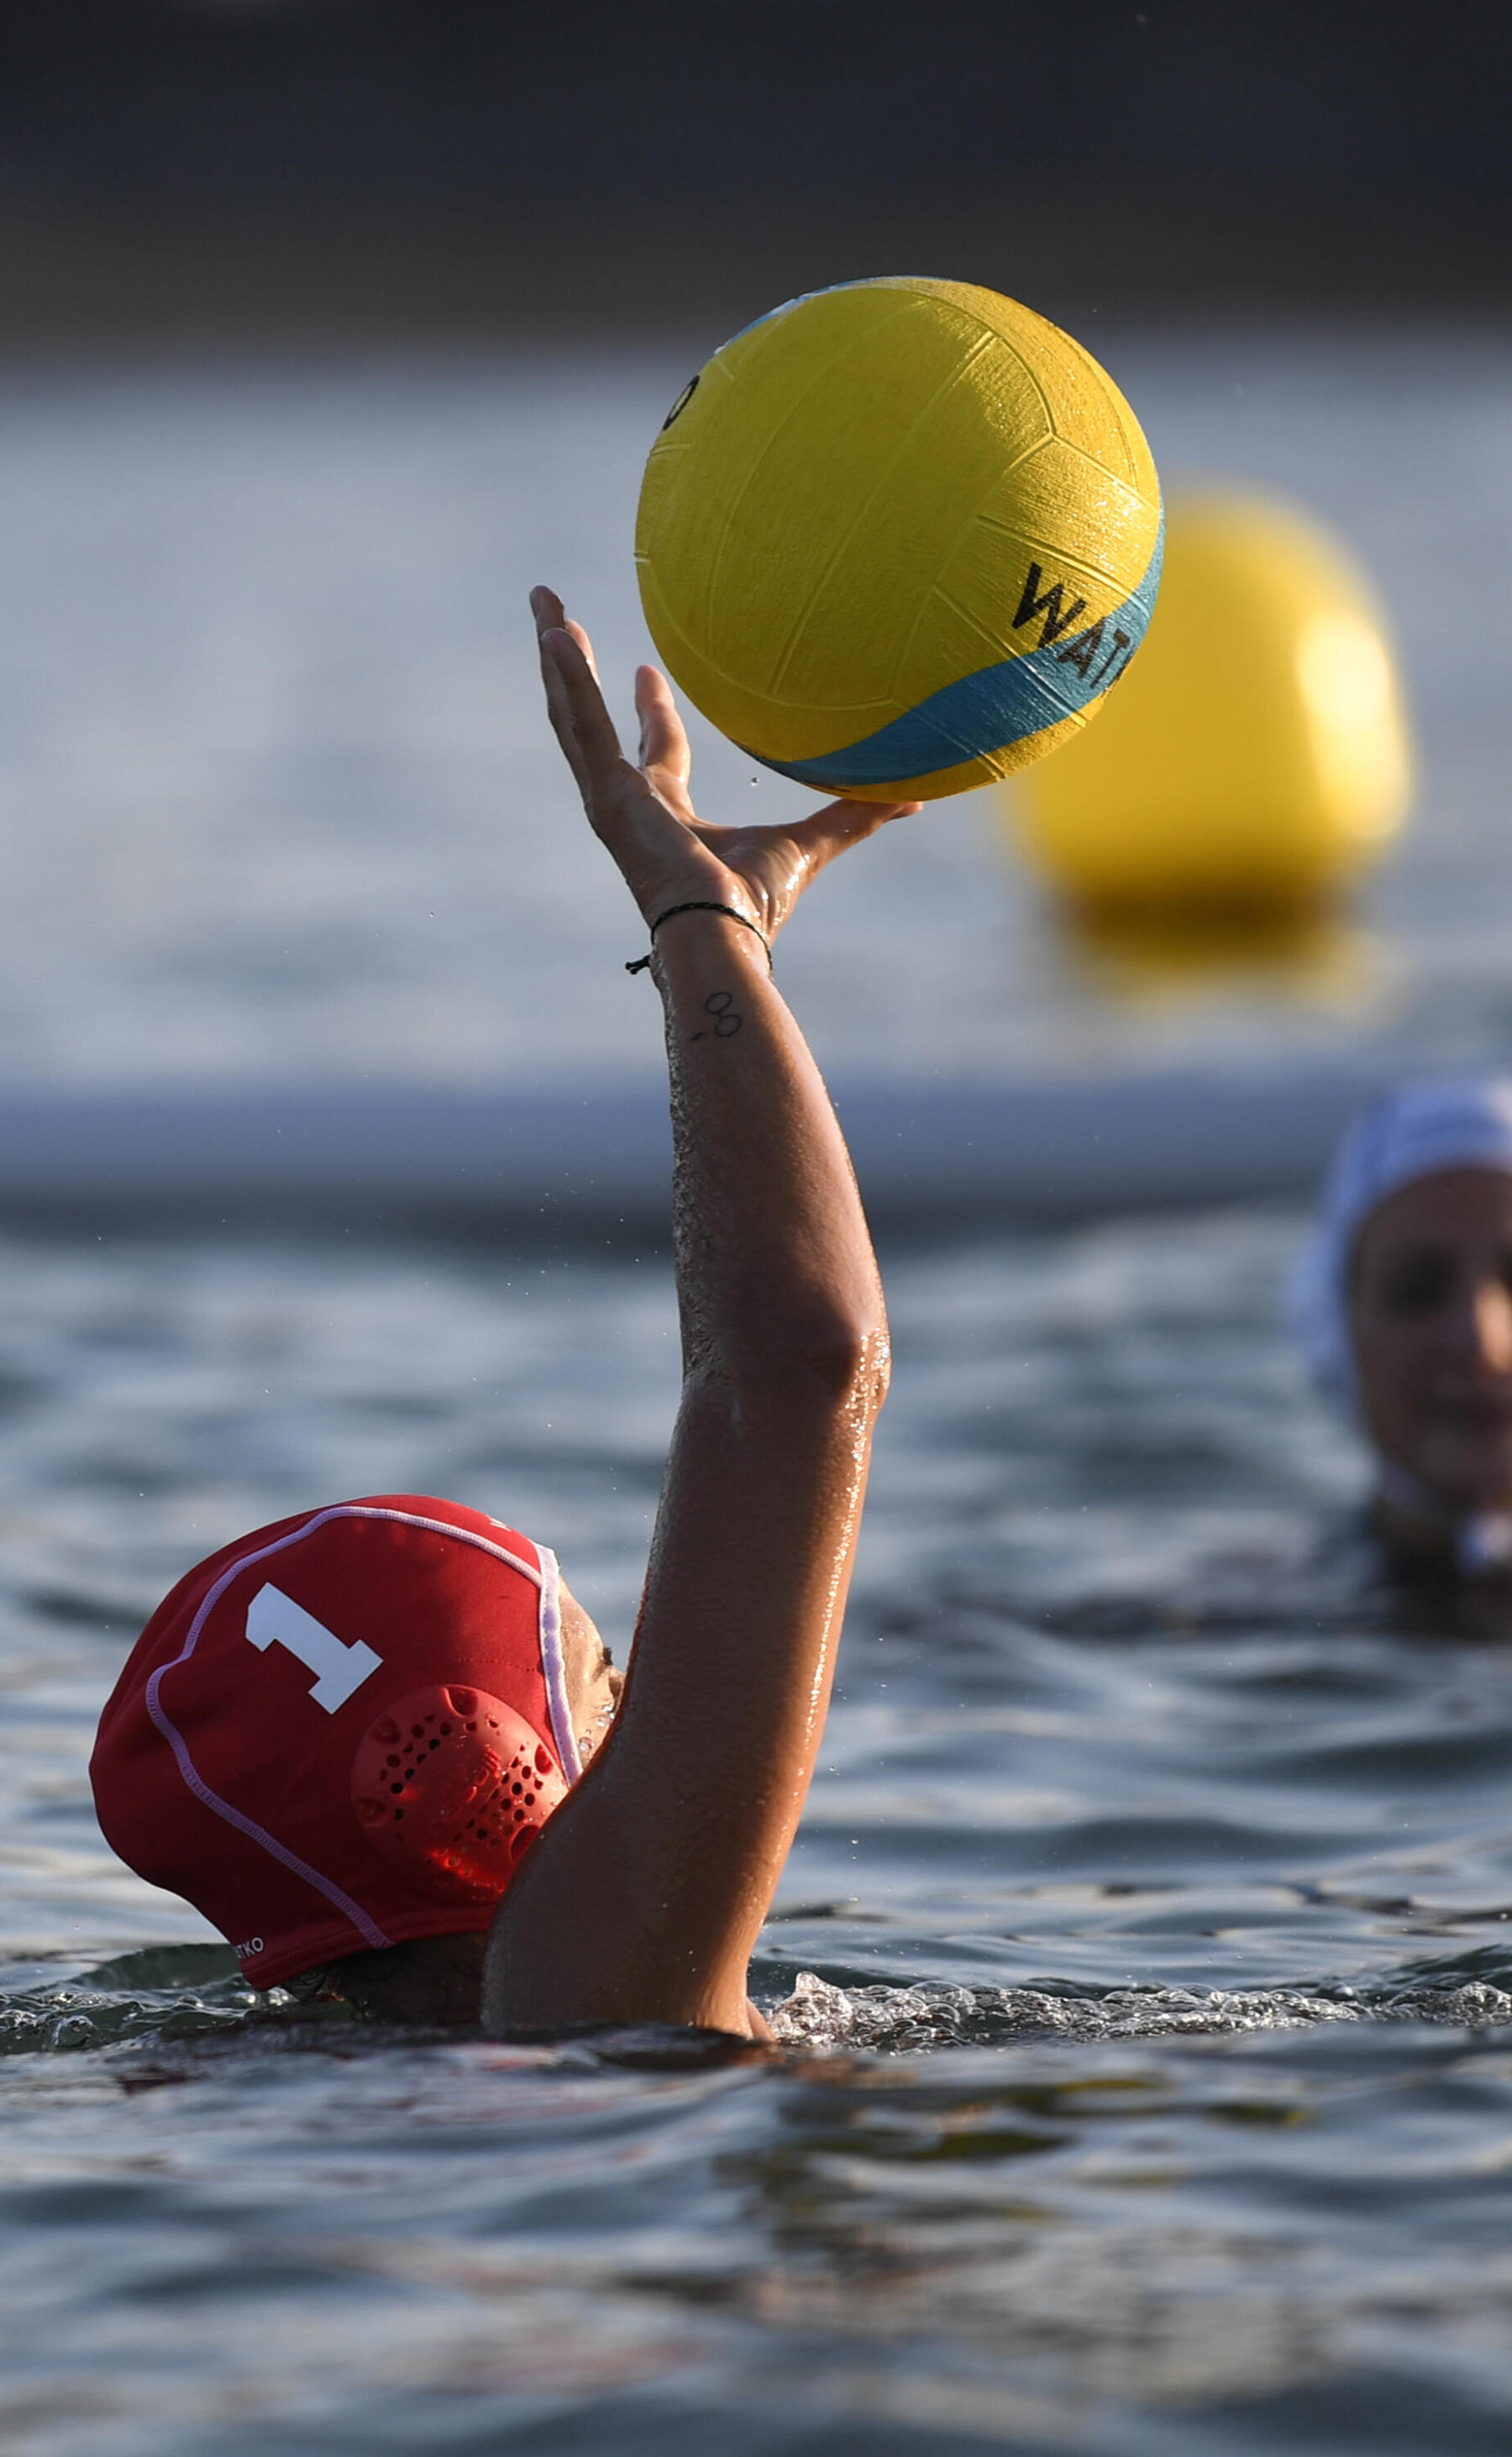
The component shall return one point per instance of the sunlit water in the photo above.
(1141, 1961)
(1142, 1968)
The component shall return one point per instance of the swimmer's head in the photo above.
(341, 1734)
(1403, 1297)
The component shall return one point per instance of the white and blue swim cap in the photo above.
(1411, 1132)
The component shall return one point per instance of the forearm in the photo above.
(646, 1900)
(785, 1358)
(775, 1273)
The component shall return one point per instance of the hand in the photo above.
(668, 855)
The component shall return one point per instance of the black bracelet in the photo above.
(702, 905)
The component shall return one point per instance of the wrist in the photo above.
(708, 955)
(706, 911)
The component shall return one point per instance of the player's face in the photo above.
(1431, 1318)
(592, 1682)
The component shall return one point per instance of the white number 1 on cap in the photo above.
(273, 1617)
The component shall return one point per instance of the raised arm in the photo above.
(644, 1896)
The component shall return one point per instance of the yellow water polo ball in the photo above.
(1261, 753)
(898, 538)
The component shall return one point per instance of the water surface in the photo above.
(1143, 1958)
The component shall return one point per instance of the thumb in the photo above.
(845, 823)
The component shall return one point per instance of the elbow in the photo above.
(836, 1359)
(868, 1371)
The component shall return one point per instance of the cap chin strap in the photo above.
(553, 1665)
(1479, 1540)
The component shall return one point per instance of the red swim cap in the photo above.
(390, 1796)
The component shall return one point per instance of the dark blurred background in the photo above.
(449, 166)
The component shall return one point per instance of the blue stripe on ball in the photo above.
(986, 712)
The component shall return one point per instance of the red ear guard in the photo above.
(453, 1786)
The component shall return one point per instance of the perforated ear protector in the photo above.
(453, 1786)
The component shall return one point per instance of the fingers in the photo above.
(548, 610)
(589, 740)
(552, 615)
(663, 736)
(575, 631)
(576, 704)
(646, 819)
(559, 709)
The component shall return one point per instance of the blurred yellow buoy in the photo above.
(1173, 955)
(1256, 752)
